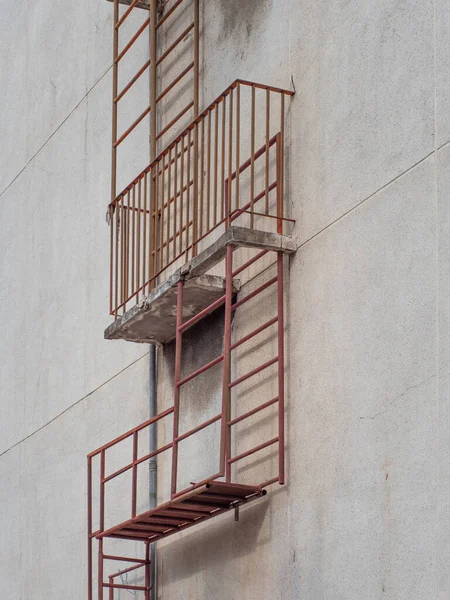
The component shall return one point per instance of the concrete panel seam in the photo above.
(361, 202)
(73, 405)
(55, 131)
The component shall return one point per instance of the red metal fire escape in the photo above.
(200, 231)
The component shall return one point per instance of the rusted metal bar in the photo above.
(141, 561)
(250, 262)
(125, 14)
(129, 433)
(139, 32)
(266, 178)
(122, 586)
(169, 183)
(153, 82)
(202, 313)
(230, 154)
(114, 105)
(207, 423)
(132, 81)
(252, 159)
(255, 292)
(254, 411)
(174, 120)
(100, 569)
(281, 166)
(89, 525)
(216, 158)
(253, 450)
(201, 370)
(222, 159)
(168, 13)
(280, 300)
(127, 570)
(208, 174)
(134, 475)
(255, 371)
(174, 82)
(172, 47)
(175, 195)
(225, 438)
(188, 195)
(238, 140)
(147, 571)
(176, 403)
(196, 56)
(133, 126)
(138, 242)
(111, 590)
(253, 333)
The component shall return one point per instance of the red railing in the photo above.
(198, 184)
(230, 396)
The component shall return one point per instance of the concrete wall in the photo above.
(365, 513)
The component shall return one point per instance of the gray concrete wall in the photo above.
(365, 512)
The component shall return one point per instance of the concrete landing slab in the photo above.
(153, 320)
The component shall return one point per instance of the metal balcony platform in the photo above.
(196, 506)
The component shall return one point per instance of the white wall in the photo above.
(365, 513)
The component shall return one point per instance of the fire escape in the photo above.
(199, 234)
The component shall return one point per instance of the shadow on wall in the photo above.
(240, 17)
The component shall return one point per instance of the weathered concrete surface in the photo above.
(153, 320)
(365, 513)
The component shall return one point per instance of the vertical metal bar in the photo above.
(225, 467)
(111, 257)
(175, 201)
(196, 56)
(116, 265)
(102, 491)
(267, 149)
(161, 217)
(134, 475)
(148, 583)
(196, 110)
(153, 50)
(100, 569)
(280, 367)
(89, 524)
(169, 189)
(195, 194)
(238, 139)
(138, 240)
(216, 159)
(281, 174)
(127, 252)
(152, 228)
(111, 590)
(230, 153)
(144, 235)
(181, 194)
(252, 163)
(176, 403)
(278, 188)
(122, 248)
(202, 171)
(222, 180)
(208, 175)
(114, 103)
(133, 238)
(188, 190)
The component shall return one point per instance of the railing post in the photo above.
(114, 101)
(176, 404)
(134, 475)
(279, 158)
(89, 525)
(225, 438)
(280, 300)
